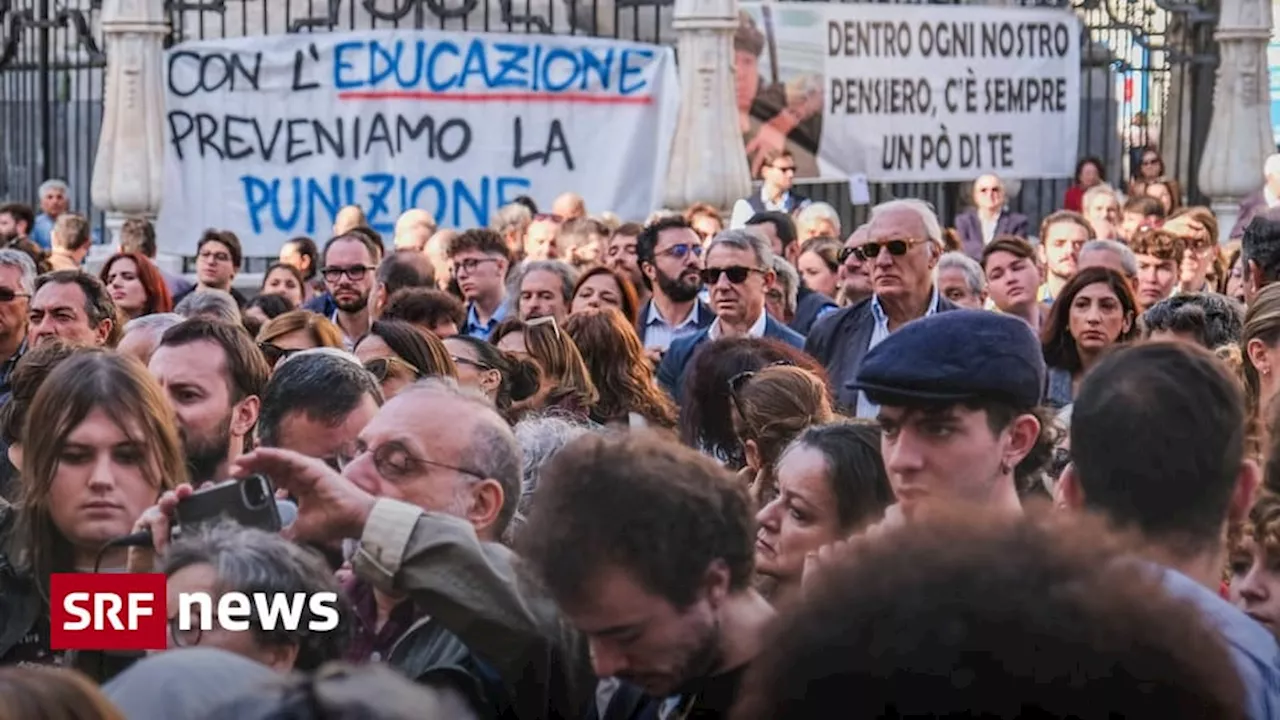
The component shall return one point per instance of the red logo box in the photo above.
(108, 611)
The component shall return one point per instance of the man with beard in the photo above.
(349, 262)
(646, 548)
(15, 222)
(214, 376)
(669, 254)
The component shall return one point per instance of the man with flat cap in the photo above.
(957, 396)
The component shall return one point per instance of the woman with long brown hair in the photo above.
(99, 447)
(629, 395)
(1260, 361)
(769, 409)
(399, 355)
(136, 285)
(1095, 310)
(566, 382)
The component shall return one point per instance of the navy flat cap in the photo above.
(958, 356)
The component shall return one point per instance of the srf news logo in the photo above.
(130, 611)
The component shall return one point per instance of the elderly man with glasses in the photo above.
(989, 217)
(904, 242)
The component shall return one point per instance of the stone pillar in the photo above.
(708, 162)
(1240, 133)
(128, 170)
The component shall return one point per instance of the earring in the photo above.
(1004, 468)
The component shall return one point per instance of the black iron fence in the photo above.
(1145, 63)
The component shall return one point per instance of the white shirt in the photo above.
(988, 229)
(1270, 197)
(742, 210)
(866, 408)
(755, 331)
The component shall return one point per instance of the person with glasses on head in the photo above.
(349, 263)
(988, 217)
(904, 242)
(669, 255)
(738, 269)
(480, 261)
(778, 175)
(294, 332)
(431, 486)
(566, 381)
(398, 355)
(218, 257)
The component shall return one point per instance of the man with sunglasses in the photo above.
(854, 274)
(778, 175)
(669, 255)
(349, 262)
(988, 218)
(739, 273)
(904, 242)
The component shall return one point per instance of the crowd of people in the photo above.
(691, 467)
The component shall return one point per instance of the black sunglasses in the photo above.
(871, 250)
(845, 253)
(737, 274)
(274, 353)
(7, 295)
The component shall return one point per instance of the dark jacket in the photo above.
(810, 305)
(840, 341)
(675, 362)
(792, 203)
(322, 304)
(705, 316)
(969, 228)
(1252, 206)
(428, 653)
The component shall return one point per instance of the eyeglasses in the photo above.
(897, 248)
(989, 191)
(382, 368)
(845, 253)
(7, 295)
(355, 272)
(544, 320)
(472, 363)
(393, 461)
(737, 274)
(274, 353)
(470, 264)
(216, 256)
(682, 251)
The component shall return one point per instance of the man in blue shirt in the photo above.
(1157, 443)
(53, 202)
(480, 260)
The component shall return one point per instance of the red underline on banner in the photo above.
(586, 98)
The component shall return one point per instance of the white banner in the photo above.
(270, 136)
(912, 93)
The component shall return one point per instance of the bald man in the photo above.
(569, 206)
(350, 216)
(436, 251)
(988, 218)
(414, 228)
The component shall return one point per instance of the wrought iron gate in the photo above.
(1148, 71)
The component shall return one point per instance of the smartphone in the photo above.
(250, 502)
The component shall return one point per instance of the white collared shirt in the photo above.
(742, 210)
(866, 408)
(1270, 197)
(988, 229)
(755, 331)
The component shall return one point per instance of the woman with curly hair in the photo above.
(629, 396)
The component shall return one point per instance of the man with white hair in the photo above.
(142, 335)
(904, 242)
(1267, 197)
(989, 217)
(53, 202)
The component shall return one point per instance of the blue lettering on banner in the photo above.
(302, 205)
(484, 65)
